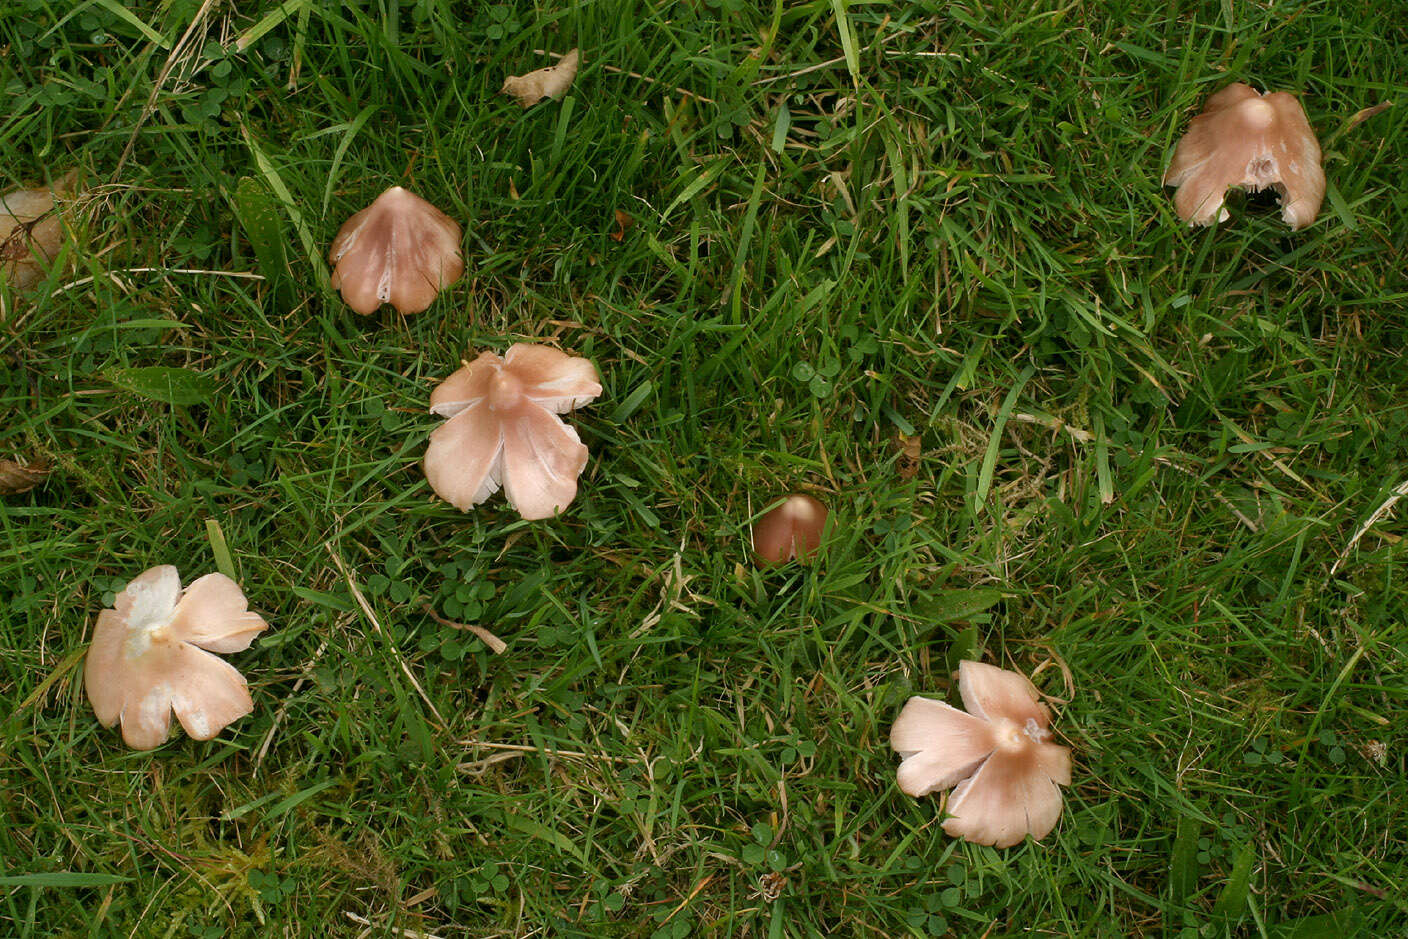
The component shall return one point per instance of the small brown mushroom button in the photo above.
(152, 654)
(792, 530)
(399, 250)
(1255, 141)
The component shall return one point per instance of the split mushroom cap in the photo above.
(399, 250)
(504, 430)
(151, 655)
(998, 754)
(791, 530)
(31, 230)
(1256, 141)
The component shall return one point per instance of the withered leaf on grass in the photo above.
(623, 224)
(911, 450)
(31, 230)
(1363, 114)
(551, 82)
(18, 477)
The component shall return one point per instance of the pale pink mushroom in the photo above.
(1256, 141)
(504, 430)
(399, 250)
(999, 755)
(149, 657)
(791, 530)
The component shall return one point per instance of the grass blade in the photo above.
(995, 439)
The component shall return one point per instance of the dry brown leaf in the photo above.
(623, 223)
(495, 644)
(31, 231)
(18, 477)
(1363, 115)
(551, 82)
(910, 450)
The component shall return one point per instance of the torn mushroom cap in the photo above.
(791, 530)
(399, 250)
(1251, 140)
(149, 657)
(31, 230)
(998, 754)
(504, 430)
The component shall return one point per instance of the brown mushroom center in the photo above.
(141, 635)
(1259, 115)
(802, 511)
(505, 390)
(1013, 737)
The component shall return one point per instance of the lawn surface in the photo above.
(912, 258)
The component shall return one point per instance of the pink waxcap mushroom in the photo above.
(791, 530)
(1256, 141)
(998, 753)
(149, 657)
(399, 250)
(503, 430)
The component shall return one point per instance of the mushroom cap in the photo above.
(503, 430)
(998, 755)
(399, 250)
(793, 529)
(1011, 795)
(1256, 141)
(152, 654)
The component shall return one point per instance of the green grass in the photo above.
(1146, 453)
